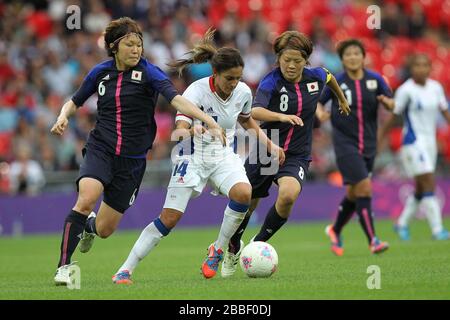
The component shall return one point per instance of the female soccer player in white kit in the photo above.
(228, 101)
(419, 101)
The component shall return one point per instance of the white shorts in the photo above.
(419, 157)
(189, 178)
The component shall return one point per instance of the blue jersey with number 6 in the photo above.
(126, 104)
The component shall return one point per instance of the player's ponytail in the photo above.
(202, 52)
(221, 59)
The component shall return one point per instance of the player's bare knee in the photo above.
(84, 205)
(170, 218)
(419, 189)
(363, 193)
(287, 199)
(363, 189)
(169, 222)
(426, 183)
(428, 188)
(102, 234)
(241, 193)
(243, 198)
(104, 231)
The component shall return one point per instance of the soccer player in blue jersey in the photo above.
(115, 153)
(286, 101)
(355, 141)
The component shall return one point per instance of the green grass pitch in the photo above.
(418, 269)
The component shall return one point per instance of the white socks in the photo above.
(410, 209)
(148, 239)
(433, 213)
(432, 209)
(232, 218)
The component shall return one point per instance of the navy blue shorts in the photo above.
(261, 183)
(355, 167)
(120, 176)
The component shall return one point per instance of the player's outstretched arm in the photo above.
(185, 130)
(262, 114)
(186, 107)
(387, 102)
(343, 104)
(182, 130)
(250, 124)
(68, 109)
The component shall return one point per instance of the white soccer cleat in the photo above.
(87, 239)
(63, 273)
(230, 262)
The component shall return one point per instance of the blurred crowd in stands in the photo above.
(42, 63)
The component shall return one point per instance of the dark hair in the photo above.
(221, 59)
(343, 45)
(413, 58)
(293, 40)
(118, 29)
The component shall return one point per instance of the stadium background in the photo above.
(42, 63)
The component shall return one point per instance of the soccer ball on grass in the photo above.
(259, 260)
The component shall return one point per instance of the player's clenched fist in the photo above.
(60, 125)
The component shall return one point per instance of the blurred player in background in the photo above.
(286, 102)
(115, 153)
(355, 141)
(228, 101)
(418, 101)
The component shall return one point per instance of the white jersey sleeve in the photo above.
(247, 108)
(401, 99)
(443, 104)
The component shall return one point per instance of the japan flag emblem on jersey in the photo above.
(313, 86)
(136, 75)
(371, 84)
